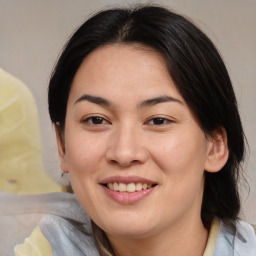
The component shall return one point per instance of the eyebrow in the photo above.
(157, 100)
(94, 99)
(147, 103)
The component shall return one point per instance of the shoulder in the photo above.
(68, 236)
(36, 244)
(237, 239)
(245, 239)
(56, 235)
(65, 226)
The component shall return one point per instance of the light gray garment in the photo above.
(236, 241)
(59, 216)
(68, 237)
(66, 240)
(63, 221)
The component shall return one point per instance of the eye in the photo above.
(159, 121)
(95, 120)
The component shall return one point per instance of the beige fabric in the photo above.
(35, 245)
(214, 231)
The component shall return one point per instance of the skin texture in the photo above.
(128, 140)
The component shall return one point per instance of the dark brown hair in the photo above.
(195, 66)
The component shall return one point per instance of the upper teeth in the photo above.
(131, 187)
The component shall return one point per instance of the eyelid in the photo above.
(86, 119)
(168, 119)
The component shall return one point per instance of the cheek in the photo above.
(180, 157)
(83, 154)
(183, 167)
(170, 154)
(84, 158)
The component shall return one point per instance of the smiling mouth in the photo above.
(128, 188)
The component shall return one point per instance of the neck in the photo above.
(188, 239)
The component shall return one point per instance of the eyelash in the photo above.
(160, 121)
(98, 120)
(91, 119)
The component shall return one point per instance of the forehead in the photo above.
(123, 68)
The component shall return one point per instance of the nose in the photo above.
(126, 147)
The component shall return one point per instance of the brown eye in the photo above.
(95, 120)
(159, 121)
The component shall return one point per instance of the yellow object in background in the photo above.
(21, 166)
(35, 245)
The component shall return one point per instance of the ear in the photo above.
(218, 152)
(61, 148)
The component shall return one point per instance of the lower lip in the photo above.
(126, 197)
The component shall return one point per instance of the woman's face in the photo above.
(135, 154)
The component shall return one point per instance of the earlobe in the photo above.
(217, 151)
(61, 148)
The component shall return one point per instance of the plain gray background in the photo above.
(32, 33)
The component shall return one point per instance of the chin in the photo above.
(129, 228)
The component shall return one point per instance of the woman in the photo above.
(148, 129)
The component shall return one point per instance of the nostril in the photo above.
(123, 162)
(113, 162)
